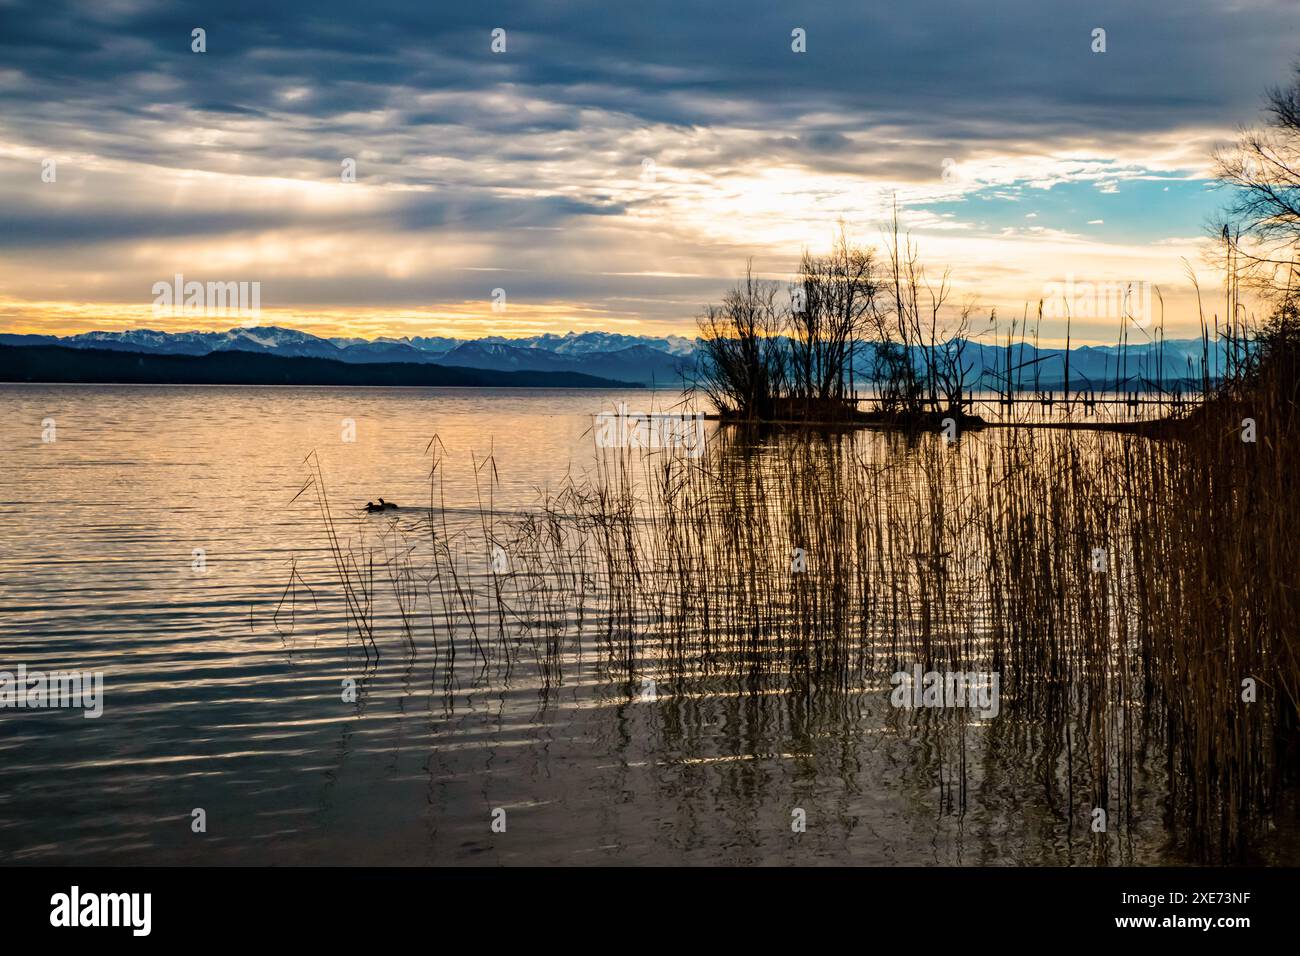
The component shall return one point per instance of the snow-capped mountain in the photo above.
(629, 358)
(432, 345)
(287, 342)
(583, 343)
(637, 363)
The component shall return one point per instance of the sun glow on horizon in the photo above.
(465, 320)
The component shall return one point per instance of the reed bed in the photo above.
(1126, 589)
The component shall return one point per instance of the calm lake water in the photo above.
(211, 701)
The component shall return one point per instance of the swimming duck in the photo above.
(371, 506)
(387, 504)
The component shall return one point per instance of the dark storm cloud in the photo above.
(1022, 64)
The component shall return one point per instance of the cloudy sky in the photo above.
(616, 165)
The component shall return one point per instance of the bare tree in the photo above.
(1262, 170)
(913, 317)
(921, 343)
(742, 370)
(834, 298)
(764, 360)
(951, 370)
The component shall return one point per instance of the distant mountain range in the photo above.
(665, 361)
(642, 360)
(1100, 367)
(57, 363)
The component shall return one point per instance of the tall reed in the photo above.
(1128, 590)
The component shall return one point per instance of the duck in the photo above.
(382, 506)
(936, 562)
(372, 507)
(387, 504)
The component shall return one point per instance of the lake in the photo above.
(160, 538)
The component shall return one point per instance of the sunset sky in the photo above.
(613, 168)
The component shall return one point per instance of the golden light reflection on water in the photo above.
(213, 700)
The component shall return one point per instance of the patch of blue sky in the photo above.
(1144, 209)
